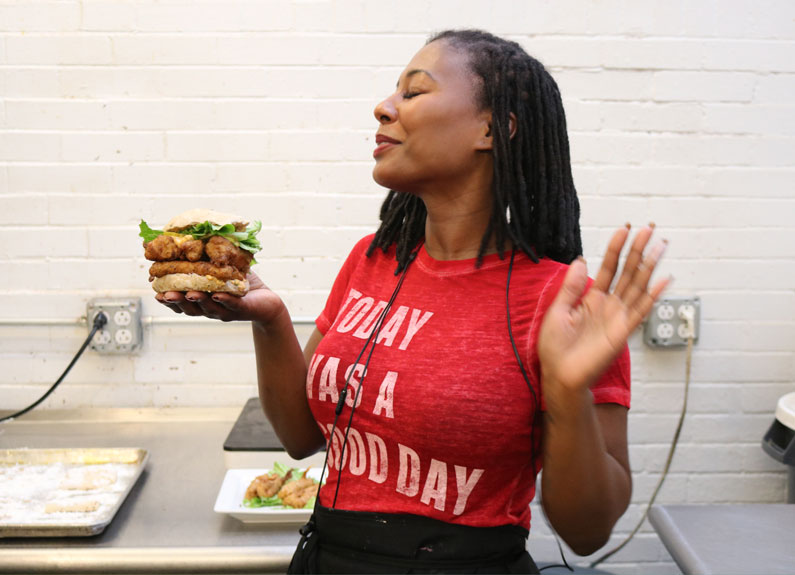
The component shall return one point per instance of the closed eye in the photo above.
(410, 95)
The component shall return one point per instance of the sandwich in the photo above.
(201, 250)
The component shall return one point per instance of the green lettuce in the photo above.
(281, 469)
(272, 501)
(147, 233)
(245, 240)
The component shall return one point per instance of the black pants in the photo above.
(337, 541)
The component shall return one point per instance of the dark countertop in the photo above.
(727, 539)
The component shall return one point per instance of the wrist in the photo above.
(563, 400)
(274, 321)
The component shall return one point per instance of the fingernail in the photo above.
(191, 299)
(652, 225)
(628, 226)
(658, 250)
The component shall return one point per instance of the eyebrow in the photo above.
(414, 72)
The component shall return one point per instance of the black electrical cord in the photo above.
(99, 322)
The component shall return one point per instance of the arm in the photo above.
(586, 483)
(281, 379)
(281, 365)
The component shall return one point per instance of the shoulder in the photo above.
(543, 278)
(360, 247)
(358, 261)
(377, 257)
(358, 252)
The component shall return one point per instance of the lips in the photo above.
(382, 139)
(383, 143)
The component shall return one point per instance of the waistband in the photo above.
(413, 537)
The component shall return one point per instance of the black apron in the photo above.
(339, 541)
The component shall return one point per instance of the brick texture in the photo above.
(679, 112)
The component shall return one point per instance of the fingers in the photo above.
(170, 301)
(573, 284)
(643, 271)
(610, 262)
(644, 303)
(633, 261)
(632, 286)
(193, 303)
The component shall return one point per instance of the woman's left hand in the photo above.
(581, 335)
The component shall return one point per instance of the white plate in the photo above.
(230, 500)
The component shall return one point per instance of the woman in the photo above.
(460, 349)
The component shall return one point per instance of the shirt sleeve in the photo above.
(339, 291)
(614, 385)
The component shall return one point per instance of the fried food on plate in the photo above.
(281, 487)
(297, 493)
(264, 486)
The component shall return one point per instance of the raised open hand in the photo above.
(581, 335)
(259, 304)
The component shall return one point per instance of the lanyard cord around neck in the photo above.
(372, 338)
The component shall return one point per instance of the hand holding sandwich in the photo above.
(260, 304)
(201, 250)
(201, 267)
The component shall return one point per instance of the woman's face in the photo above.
(432, 131)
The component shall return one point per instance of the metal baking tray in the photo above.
(65, 492)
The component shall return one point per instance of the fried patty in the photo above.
(160, 269)
(222, 252)
(218, 250)
(169, 248)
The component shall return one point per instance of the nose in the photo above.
(385, 112)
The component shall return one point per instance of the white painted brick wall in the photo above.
(682, 113)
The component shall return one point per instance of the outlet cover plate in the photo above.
(123, 334)
(665, 326)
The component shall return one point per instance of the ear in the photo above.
(486, 140)
(512, 124)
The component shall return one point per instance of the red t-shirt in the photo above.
(443, 419)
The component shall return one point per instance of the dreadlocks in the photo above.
(535, 204)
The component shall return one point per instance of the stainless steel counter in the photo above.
(726, 539)
(167, 523)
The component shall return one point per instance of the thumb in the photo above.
(573, 285)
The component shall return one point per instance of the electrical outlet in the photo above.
(123, 332)
(665, 312)
(667, 324)
(102, 337)
(665, 330)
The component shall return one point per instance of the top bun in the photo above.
(199, 215)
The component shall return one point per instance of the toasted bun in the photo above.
(199, 215)
(196, 282)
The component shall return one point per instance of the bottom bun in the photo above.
(195, 282)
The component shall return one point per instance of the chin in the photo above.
(381, 176)
(392, 181)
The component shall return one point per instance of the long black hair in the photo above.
(535, 204)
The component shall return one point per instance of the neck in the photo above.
(458, 211)
(454, 228)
